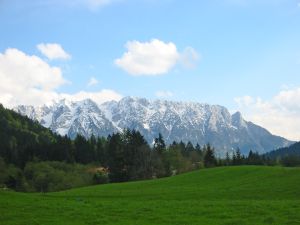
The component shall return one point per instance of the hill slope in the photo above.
(21, 137)
(176, 121)
(231, 195)
(14, 123)
(293, 150)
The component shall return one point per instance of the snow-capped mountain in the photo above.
(176, 121)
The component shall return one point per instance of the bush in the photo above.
(100, 177)
(55, 176)
(290, 161)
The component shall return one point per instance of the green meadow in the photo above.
(226, 195)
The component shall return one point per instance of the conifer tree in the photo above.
(159, 144)
(209, 157)
(227, 159)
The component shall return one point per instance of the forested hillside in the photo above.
(289, 156)
(22, 138)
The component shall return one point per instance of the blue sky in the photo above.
(242, 54)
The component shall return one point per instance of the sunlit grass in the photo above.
(228, 195)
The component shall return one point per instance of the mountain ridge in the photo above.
(290, 151)
(175, 120)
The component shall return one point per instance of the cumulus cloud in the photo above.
(280, 114)
(26, 78)
(53, 51)
(29, 80)
(98, 97)
(152, 58)
(164, 94)
(148, 58)
(92, 82)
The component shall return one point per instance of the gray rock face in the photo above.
(176, 121)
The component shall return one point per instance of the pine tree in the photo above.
(81, 149)
(159, 144)
(227, 159)
(234, 161)
(198, 148)
(209, 157)
(116, 159)
(189, 148)
(238, 157)
(137, 155)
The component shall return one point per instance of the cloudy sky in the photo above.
(242, 54)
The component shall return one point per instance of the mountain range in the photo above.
(176, 121)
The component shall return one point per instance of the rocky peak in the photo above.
(176, 121)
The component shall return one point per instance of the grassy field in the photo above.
(229, 195)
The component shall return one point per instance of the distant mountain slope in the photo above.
(176, 121)
(293, 150)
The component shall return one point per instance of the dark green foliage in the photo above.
(55, 176)
(82, 153)
(237, 158)
(129, 157)
(293, 150)
(22, 138)
(137, 155)
(159, 144)
(254, 158)
(189, 147)
(62, 149)
(290, 161)
(116, 159)
(100, 177)
(227, 159)
(209, 156)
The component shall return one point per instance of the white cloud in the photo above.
(190, 57)
(29, 80)
(53, 51)
(245, 100)
(154, 57)
(164, 94)
(26, 79)
(148, 58)
(280, 115)
(92, 82)
(98, 97)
